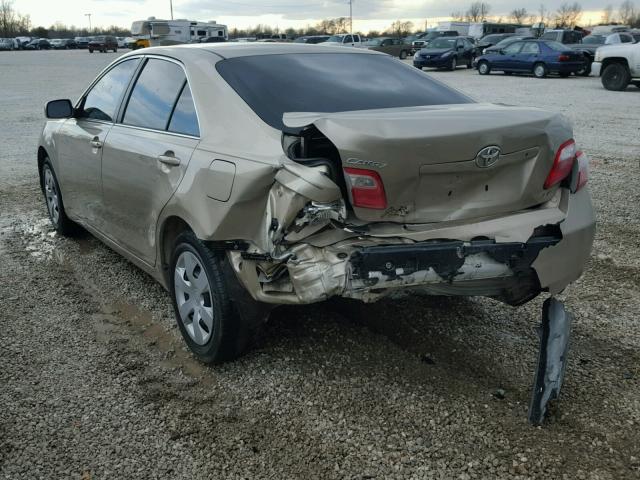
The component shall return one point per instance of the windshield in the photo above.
(594, 39)
(442, 43)
(335, 38)
(275, 84)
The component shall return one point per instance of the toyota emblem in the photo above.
(488, 156)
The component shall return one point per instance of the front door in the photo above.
(508, 60)
(146, 154)
(81, 140)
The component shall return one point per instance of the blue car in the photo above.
(446, 52)
(540, 57)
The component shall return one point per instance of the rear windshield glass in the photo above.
(330, 82)
(559, 47)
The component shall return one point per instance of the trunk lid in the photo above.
(428, 157)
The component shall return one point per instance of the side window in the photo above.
(513, 48)
(348, 39)
(154, 95)
(531, 49)
(103, 100)
(184, 119)
(626, 38)
(356, 38)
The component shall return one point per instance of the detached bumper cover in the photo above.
(596, 69)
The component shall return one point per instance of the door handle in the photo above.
(169, 159)
(96, 143)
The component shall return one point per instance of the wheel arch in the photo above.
(611, 60)
(171, 228)
(42, 155)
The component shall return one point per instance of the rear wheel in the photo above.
(91, 50)
(454, 64)
(403, 54)
(484, 68)
(616, 77)
(115, 50)
(540, 70)
(53, 198)
(585, 71)
(208, 321)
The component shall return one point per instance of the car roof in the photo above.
(234, 50)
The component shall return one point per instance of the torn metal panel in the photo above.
(552, 360)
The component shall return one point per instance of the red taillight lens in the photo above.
(583, 170)
(562, 163)
(367, 190)
(564, 58)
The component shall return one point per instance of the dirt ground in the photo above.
(95, 381)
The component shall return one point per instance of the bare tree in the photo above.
(457, 16)
(478, 12)
(627, 12)
(518, 15)
(400, 29)
(7, 18)
(607, 15)
(568, 15)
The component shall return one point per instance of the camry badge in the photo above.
(488, 156)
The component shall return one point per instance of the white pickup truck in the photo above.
(617, 65)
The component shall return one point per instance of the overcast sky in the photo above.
(368, 14)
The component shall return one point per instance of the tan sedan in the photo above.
(247, 176)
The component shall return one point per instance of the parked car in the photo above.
(38, 44)
(446, 52)
(540, 57)
(591, 43)
(22, 42)
(347, 40)
(63, 43)
(635, 34)
(618, 66)
(491, 40)
(568, 37)
(7, 44)
(425, 37)
(391, 46)
(505, 43)
(103, 43)
(215, 39)
(312, 39)
(374, 192)
(82, 42)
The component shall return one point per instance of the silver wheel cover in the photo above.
(51, 195)
(193, 297)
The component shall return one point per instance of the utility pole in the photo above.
(351, 17)
(171, 6)
(88, 15)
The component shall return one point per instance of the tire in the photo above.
(226, 335)
(586, 71)
(564, 75)
(637, 84)
(616, 77)
(454, 64)
(540, 70)
(507, 73)
(484, 68)
(403, 55)
(90, 50)
(115, 50)
(53, 200)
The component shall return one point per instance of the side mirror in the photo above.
(59, 109)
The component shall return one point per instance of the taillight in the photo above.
(562, 163)
(583, 170)
(564, 58)
(367, 190)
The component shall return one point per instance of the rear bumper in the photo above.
(517, 258)
(566, 67)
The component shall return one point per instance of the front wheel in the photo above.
(208, 321)
(616, 77)
(540, 70)
(584, 71)
(403, 55)
(53, 198)
(90, 50)
(454, 64)
(484, 68)
(115, 50)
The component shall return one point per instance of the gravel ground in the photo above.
(95, 381)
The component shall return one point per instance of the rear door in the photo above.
(80, 142)
(528, 56)
(146, 155)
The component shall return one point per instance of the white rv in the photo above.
(156, 32)
(461, 27)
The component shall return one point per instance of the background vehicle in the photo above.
(482, 29)
(22, 42)
(7, 44)
(505, 43)
(540, 57)
(312, 39)
(103, 43)
(38, 44)
(391, 46)
(589, 44)
(424, 38)
(491, 40)
(63, 43)
(461, 28)
(567, 37)
(618, 66)
(346, 40)
(137, 171)
(156, 32)
(446, 52)
(82, 42)
(213, 40)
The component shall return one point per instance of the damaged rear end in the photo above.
(459, 200)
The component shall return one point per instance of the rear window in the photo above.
(557, 46)
(330, 82)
